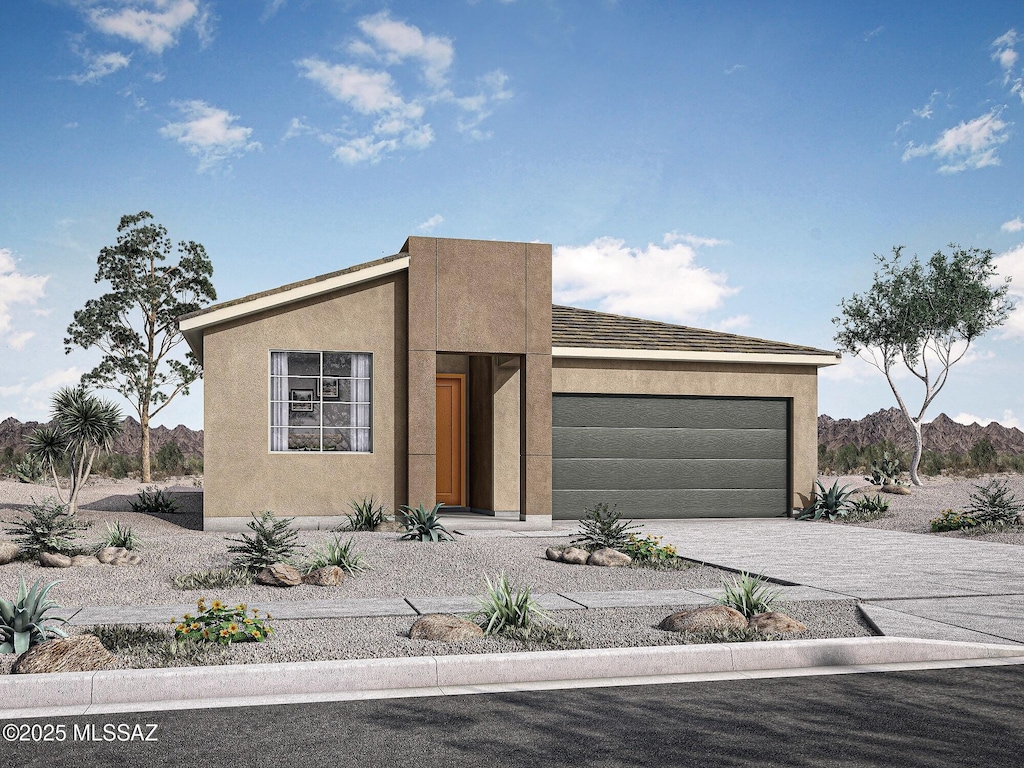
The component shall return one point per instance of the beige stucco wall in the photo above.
(241, 474)
(800, 383)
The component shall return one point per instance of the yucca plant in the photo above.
(24, 623)
(748, 594)
(422, 524)
(121, 536)
(336, 553)
(602, 527)
(831, 503)
(273, 541)
(367, 513)
(47, 528)
(503, 609)
(153, 501)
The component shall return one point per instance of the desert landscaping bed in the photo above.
(913, 513)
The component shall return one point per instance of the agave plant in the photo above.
(831, 503)
(750, 595)
(336, 553)
(422, 524)
(504, 609)
(367, 513)
(24, 623)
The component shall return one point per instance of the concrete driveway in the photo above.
(911, 584)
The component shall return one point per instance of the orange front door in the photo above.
(451, 439)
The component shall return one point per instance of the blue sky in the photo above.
(725, 165)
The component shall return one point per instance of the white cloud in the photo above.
(372, 90)
(1013, 225)
(1008, 419)
(1005, 52)
(658, 282)
(34, 397)
(209, 133)
(968, 146)
(926, 112)
(694, 240)
(735, 68)
(153, 24)
(431, 223)
(1011, 264)
(733, 324)
(20, 339)
(271, 8)
(873, 33)
(398, 41)
(100, 65)
(16, 288)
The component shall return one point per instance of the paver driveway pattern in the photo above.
(973, 585)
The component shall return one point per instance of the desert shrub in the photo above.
(220, 623)
(153, 501)
(831, 503)
(949, 520)
(602, 527)
(48, 528)
(272, 541)
(193, 465)
(504, 610)
(848, 459)
(422, 524)
(116, 465)
(29, 469)
(866, 508)
(648, 549)
(24, 622)
(748, 594)
(220, 578)
(121, 536)
(983, 455)
(994, 502)
(117, 637)
(170, 459)
(367, 513)
(336, 553)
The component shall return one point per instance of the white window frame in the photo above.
(271, 402)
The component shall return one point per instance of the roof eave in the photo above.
(771, 358)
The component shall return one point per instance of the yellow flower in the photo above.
(233, 627)
(269, 616)
(188, 617)
(248, 621)
(194, 626)
(206, 634)
(240, 607)
(216, 605)
(180, 627)
(173, 619)
(256, 634)
(224, 633)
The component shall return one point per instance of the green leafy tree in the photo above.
(135, 326)
(923, 317)
(81, 427)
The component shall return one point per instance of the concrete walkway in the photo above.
(912, 585)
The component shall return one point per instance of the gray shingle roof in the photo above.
(574, 327)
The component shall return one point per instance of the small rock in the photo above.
(898, 490)
(279, 575)
(575, 555)
(609, 558)
(445, 628)
(54, 560)
(126, 558)
(84, 561)
(389, 526)
(554, 554)
(82, 653)
(329, 576)
(706, 619)
(109, 554)
(9, 551)
(776, 623)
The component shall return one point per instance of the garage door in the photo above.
(670, 457)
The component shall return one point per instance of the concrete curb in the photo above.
(81, 693)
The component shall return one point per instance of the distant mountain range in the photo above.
(943, 435)
(129, 442)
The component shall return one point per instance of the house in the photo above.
(444, 373)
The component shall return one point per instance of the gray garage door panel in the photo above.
(570, 505)
(667, 412)
(646, 443)
(657, 474)
(670, 457)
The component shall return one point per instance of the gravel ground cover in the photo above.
(914, 512)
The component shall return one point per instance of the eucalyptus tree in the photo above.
(82, 425)
(134, 324)
(923, 317)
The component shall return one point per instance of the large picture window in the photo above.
(320, 401)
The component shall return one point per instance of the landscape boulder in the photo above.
(553, 554)
(9, 551)
(710, 618)
(84, 561)
(776, 623)
(575, 555)
(389, 526)
(897, 490)
(82, 653)
(118, 556)
(444, 628)
(328, 576)
(279, 575)
(54, 560)
(609, 558)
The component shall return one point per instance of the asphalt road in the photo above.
(954, 718)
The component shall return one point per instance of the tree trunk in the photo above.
(918, 450)
(144, 423)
